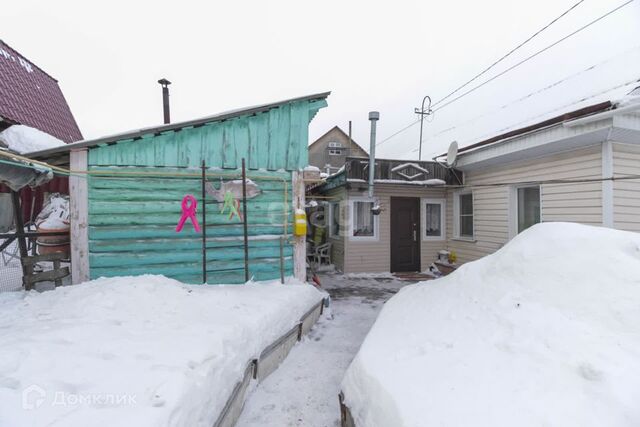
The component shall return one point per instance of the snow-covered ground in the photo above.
(10, 268)
(304, 390)
(135, 351)
(546, 331)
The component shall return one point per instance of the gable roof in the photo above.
(343, 133)
(31, 97)
(319, 98)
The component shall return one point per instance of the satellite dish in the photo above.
(452, 154)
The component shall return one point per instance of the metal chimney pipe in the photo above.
(165, 99)
(374, 116)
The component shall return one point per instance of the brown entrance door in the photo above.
(405, 234)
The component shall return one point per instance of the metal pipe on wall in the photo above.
(374, 116)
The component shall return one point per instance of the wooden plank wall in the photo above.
(133, 219)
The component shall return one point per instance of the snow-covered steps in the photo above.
(144, 351)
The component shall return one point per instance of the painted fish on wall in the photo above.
(234, 187)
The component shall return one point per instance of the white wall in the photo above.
(560, 202)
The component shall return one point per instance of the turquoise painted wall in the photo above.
(272, 140)
(132, 215)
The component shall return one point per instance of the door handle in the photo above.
(415, 239)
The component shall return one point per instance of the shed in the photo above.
(126, 194)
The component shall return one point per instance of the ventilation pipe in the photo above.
(374, 116)
(165, 99)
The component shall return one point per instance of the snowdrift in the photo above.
(546, 331)
(135, 351)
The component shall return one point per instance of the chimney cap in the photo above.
(374, 115)
(164, 82)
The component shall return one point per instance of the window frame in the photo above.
(335, 144)
(443, 218)
(456, 216)
(332, 207)
(513, 206)
(351, 218)
(335, 152)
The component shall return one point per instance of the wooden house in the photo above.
(581, 166)
(329, 152)
(126, 194)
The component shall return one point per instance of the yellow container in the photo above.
(300, 223)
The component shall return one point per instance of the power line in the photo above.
(497, 132)
(536, 92)
(602, 92)
(510, 52)
(511, 68)
(584, 27)
(625, 177)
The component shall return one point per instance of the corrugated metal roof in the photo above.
(156, 130)
(32, 97)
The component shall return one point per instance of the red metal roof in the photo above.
(31, 97)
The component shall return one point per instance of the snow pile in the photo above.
(135, 351)
(546, 331)
(24, 139)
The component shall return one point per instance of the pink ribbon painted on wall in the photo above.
(189, 205)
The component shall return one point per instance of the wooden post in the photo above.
(22, 243)
(79, 216)
(245, 215)
(299, 242)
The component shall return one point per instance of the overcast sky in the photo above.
(372, 55)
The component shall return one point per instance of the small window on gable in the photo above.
(334, 144)
(335, 152)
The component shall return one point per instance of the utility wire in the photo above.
(510, 52)
(534, 93)
(515, 125)
(584, 27)
(602, 92)
(625, 177)
(511, 68)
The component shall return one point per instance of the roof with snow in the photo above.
(31, 97)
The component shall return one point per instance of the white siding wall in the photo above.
(626, 193)
(560, 202)
(368, 256)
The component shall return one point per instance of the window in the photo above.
(528, 207)
(364, 223)
(335, 145)
(335, 152)
(334, 220)
(463, 209)
(433, 215)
